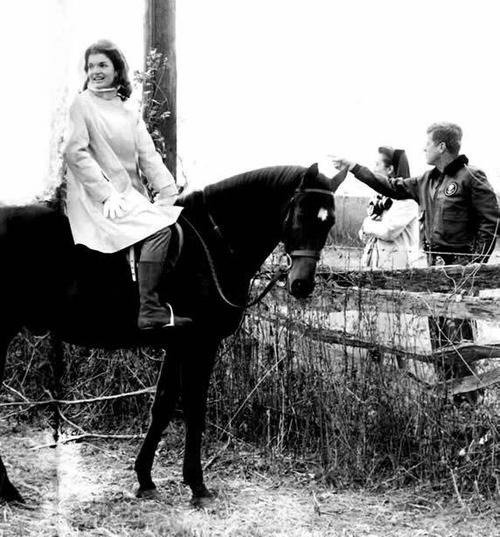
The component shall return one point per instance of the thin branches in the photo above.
(50, 401)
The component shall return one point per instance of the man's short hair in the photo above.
(449, 133)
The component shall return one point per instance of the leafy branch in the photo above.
(156, 108)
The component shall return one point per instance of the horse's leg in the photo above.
(56, 357)
(167, 394)
(8, 491)
(195, 375)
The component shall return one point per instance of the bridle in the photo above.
(314, 254)
(287, 257)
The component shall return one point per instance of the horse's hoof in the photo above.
(204, 500)
(201, 502)
(148, 494)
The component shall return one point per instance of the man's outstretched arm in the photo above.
(396, 188)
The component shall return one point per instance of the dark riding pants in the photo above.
(154, 249)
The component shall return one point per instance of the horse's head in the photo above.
(309, 217)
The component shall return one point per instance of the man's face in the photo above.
(433, 150)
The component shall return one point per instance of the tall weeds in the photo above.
(356, 413)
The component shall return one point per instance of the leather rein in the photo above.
(280, 271)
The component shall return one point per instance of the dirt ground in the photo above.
(86, 489)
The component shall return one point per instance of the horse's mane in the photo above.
(271, 179)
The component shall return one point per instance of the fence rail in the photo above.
(455, 306)
(443, 279)
(427, 292)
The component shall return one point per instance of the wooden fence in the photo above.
(450, 292)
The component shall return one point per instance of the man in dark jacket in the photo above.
(460, 215)
(459, 206)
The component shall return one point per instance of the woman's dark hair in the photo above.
(387, 154)
(398, 159)
(109, 49)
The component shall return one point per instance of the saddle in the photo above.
(102, 293)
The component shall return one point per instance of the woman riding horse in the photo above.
(107, 203)
(225, 244)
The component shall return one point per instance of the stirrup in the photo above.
(171, 323)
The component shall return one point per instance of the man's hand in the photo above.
(115, 206)
(341, 163)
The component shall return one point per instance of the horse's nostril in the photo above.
(300, 288)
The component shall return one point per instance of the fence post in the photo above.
(159, 33)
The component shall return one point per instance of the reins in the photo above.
(279, 273)
(215, 227)
(280, 270)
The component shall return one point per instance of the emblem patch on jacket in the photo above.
(451, 189)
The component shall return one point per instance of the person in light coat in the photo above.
(391, 229)
(107, 203)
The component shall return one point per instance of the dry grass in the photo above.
(90, 494)
(365, 421)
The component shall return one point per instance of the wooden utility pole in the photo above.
(159, 33)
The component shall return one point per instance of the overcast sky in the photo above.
(266, 82)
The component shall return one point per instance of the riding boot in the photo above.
(150, 270)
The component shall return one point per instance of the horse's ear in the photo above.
(338, 179)
(310, 176)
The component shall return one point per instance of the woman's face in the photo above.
(382, 167)
(100, 71)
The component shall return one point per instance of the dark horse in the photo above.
(84, 297)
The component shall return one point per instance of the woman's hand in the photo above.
(167, 196)
(367, 228)
(362, 233)
(115, 206)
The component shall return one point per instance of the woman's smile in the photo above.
(100, 71)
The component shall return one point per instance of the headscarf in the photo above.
(401, 164)
(398, 159)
